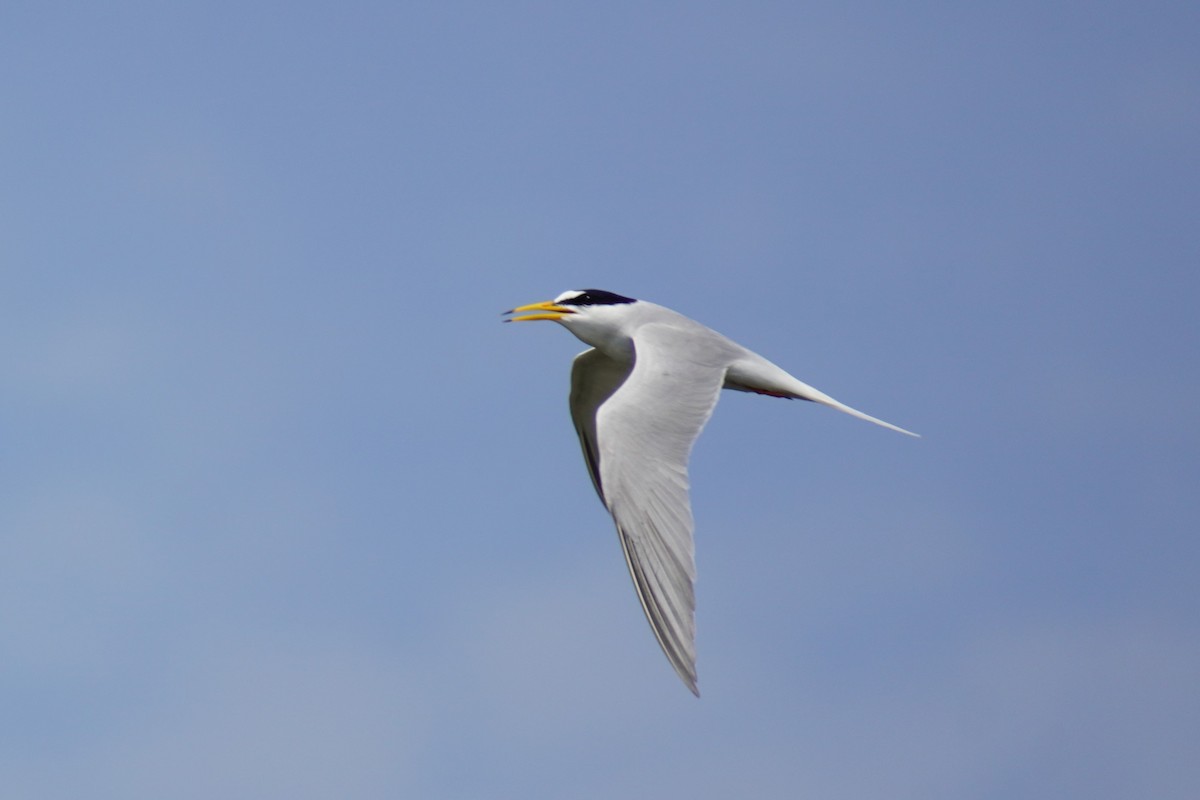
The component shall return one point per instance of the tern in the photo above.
(640, 396)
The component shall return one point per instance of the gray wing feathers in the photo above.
(645, 431)
(594, 377)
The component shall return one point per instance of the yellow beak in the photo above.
(549, 310)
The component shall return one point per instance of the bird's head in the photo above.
(594, 315)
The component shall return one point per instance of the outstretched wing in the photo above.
(594, 377)
(642, 438)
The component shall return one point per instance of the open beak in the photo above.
(547, 310)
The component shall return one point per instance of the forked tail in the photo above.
(815, 395)
(753, 373)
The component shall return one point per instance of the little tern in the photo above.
(639, 397)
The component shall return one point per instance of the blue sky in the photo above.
(286, 512)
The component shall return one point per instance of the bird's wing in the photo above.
(594, 377)
(645, 431)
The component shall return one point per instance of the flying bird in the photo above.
(639, 397)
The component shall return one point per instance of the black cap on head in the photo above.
(591, 297)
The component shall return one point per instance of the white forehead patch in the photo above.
(568, 295)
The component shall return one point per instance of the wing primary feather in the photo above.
(677, 648)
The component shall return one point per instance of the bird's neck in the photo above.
(615, 343)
